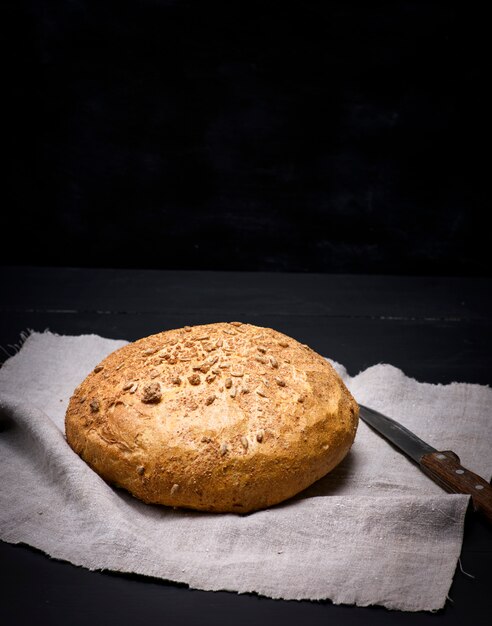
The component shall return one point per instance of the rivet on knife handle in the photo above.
(445, 469)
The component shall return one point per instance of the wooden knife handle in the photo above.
(446, 470)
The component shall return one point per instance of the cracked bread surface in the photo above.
(224, 417)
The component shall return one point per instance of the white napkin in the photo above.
(374, 531)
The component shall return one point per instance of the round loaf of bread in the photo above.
(220, 417)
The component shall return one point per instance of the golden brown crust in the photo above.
(220, 417)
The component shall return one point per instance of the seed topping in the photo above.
(151, 393)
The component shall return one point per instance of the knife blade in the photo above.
(442, 466)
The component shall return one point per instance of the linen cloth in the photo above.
(374, 531)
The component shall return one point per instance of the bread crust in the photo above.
(224, 417)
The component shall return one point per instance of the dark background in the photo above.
(334, 136)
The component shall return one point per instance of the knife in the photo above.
(443, 466)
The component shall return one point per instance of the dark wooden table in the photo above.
(435, 329)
